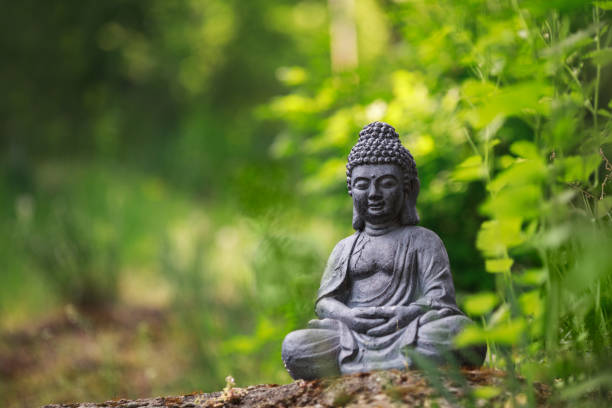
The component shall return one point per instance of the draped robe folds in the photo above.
(421, 276)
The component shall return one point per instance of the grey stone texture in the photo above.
(387, 291)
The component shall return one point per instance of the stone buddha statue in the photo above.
(388, 287)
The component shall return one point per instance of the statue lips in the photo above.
(376, 206)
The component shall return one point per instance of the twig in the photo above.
(576, 186)
(608, 166)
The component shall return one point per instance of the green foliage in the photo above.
(205, 143)
(519, 110)
(81, 264)
(286, 268)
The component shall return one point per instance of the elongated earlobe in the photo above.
(358, 222)
(409, 215)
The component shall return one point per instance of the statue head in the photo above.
(382, 178)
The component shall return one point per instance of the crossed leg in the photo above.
(311, 353)
(435, 341)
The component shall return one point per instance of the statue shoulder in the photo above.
(333, 275)
(343, 243)
(424, 239)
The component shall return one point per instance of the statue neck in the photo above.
(381, 229)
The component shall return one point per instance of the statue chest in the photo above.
(372, 256)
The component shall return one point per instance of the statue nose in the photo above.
(373, 191)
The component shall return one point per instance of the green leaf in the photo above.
(579, 168)
(291, 76)
(605, 113)
(587, 386)
(506, 161)
(604, 207)
(531, 303)
(496, 236)
(515, 202)
(541, 8)
(476, 92)
(292, 104)
(470, 169)
(570, 43)
(600, 57)
(501, 315)
(526, 150)
(507, 333)
(555, 236)
(604, 5)
(512, 100)
(327, 176)
(336, 133)
(480, 303)
(532, 277)
(471, 335)
(521, 172)
(498, 265)
(486, 392)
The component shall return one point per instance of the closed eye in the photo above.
(361, 184)
(388, 182)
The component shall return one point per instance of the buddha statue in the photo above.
(387, 288)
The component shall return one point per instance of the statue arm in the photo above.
(434, 273)
(328, 305)
(358, 318)
(331, 308)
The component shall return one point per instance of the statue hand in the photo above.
(398, 317)
(362, 319)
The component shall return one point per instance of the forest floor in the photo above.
(376, 389)
(81, 356)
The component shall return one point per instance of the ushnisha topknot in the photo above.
(379, 143)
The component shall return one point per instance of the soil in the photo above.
(76, 355)
(377, 389)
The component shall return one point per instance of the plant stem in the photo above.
(598, 73)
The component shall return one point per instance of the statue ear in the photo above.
(358, 222)
(409, 215)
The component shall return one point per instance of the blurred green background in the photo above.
(172, 181)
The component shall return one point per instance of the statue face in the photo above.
(378, 192)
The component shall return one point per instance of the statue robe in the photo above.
(421, 276)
